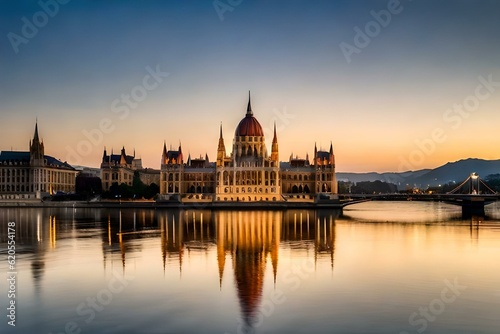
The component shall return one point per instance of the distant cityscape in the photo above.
(247, 174)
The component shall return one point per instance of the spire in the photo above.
(164, 154)
(189, 159)
(180, 158)
(35, 136)
(331, 148)
(315, 155)
(274, 147)
(275, 138)
(36, 149)
(249, 107)
(123, 157)
(221, 149)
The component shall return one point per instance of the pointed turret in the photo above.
(123, 157)
(35, 136)
(180, 159)
(104, 155)
(332, 157)
(274, 147)
(189, 159)
(164, 154)
(37, 154)
(249, 107)
(315, 154)
(221, 149)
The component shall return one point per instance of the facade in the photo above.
(120, 168)
(249, 173)
(195, 179)
(32, 174)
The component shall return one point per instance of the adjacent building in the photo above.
(32, 174)
(120, 168)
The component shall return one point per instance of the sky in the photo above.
(393, 85)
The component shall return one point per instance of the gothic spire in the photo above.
(249, 107)
(35, 136)
(164, 154)
(275, 139)
(274, 147)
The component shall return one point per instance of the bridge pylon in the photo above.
(473, 194)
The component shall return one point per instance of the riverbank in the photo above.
(327, 204)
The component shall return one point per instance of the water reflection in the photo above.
(251, 239)
(248, 241)
(251, 252)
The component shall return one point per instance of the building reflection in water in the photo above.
(190, 230)
(249, 240)
(123, 228)
(251, 237)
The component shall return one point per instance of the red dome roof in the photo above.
(249, 126)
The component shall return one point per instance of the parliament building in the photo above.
(249, 173)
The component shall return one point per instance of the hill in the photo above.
(450, 172)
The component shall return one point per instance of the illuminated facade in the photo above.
(249, 173)
(31, 175)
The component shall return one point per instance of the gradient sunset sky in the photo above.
(400, 88)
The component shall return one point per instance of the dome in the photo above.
(249, 126)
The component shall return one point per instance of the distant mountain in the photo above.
(457, 171)
(452, 171)
(391, 177)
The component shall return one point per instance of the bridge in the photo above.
(472, 195)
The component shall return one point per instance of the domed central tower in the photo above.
(249, 174)
(249, 148)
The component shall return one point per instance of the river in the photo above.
(378, 267)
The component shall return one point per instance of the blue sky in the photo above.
(380, 110)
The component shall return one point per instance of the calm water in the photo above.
(381, 267)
